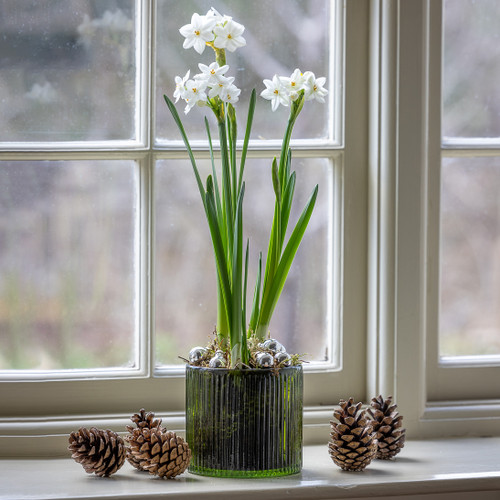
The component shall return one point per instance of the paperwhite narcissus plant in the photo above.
(223, 203)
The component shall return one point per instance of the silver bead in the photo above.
(283, 358)
(217, 362)
(264, 360)
(196, 353)
(273, 345)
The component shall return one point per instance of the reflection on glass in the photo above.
(67, 297)
(281, 35)
(68, 70)
(185, 270)
(471, 68)
(470, 257)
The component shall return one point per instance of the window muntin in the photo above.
(185, 270)
(68, 71)
(67, 264)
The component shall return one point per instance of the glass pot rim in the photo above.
(253, 371)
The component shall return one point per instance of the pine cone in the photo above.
(387, 424)
(143, 420)
(98, 451)
(353, 445)
(160, 452)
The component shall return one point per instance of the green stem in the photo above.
(220, 56)
(226, 189)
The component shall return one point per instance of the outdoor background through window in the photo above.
(67, 264)
(67, 70)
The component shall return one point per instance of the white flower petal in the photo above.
(228, 36)
(198, 32)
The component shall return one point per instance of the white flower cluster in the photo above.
(213, 28)
(208, 84)
(221, 33)
(284, 90)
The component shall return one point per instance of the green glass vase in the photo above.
(244, 423)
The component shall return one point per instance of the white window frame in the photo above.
(436, 397)
(38, 412)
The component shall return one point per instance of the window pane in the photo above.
(185, 267)
(67, 295)
(471, 70)
(68, 70)
(470, 257)
(281, 35)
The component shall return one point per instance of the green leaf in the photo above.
(244, 299)
(256, 298)
(269, 301)
(231, 137)
(236, 313)
(273, 254)
(222, 320)
(173, 110)
(286, 206)
(276, 180)
(288, 167)
(251, 110)
(244, 350)
(226, 189)
(220, 256)
(214, 173)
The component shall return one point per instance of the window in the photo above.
(469, 323)
(106, 272)
(419, 170)
(102, 241)
(468, 332)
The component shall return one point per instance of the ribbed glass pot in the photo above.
(244, 423)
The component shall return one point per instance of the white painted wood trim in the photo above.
(405, 154)
(425, 470)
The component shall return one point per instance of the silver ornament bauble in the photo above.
(273, 345)
(264, 360)
(217, 362)
(196, 353)
(283, 358)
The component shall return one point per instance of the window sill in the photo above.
(447, 468)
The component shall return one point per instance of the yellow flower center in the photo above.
(213, 72)
(293, 84)
(229, 35)
(276, 91)
(315, 88)
(194, 90)
(197, 32)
